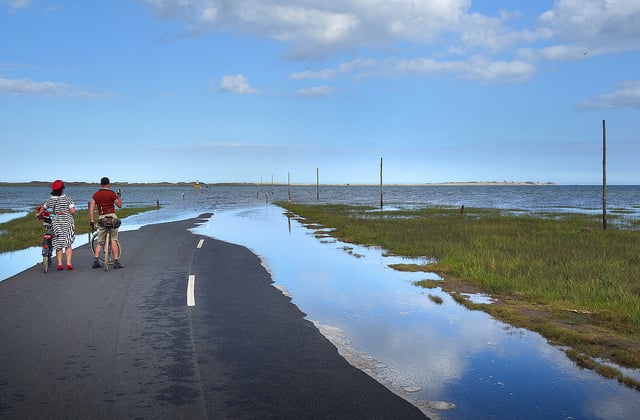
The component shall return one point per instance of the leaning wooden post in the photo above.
(604, 176)
(380, 182)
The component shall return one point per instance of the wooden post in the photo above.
(381, 183)
(604, 176)
(289, 185)
(317, 184)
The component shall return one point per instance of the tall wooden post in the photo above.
(381, 183)
(289, 185)
(317, 184)
(604, 176)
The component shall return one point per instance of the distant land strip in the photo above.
(227, 184)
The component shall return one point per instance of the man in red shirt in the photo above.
(105, 201)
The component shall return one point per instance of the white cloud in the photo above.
(318, 28)
(17, 4)
(26, 87)
(444, 36)
(317, 91)
(330, 73)
(318, 74)
(627, 96)
(474, 68)
(601, 26)
(236, 84)
(312, 28)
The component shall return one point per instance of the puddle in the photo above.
(478, 298)
(447, 359)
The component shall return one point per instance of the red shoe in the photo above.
(69, 267)
(60, 267)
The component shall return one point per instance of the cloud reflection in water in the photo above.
(483, 366)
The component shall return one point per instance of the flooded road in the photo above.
(462, 363)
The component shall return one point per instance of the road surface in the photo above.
(132, 343)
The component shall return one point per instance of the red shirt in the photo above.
(104, 201)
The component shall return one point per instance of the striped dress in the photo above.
(63, 225)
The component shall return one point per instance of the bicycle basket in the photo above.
(109, 222)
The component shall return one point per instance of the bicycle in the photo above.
(47, 239)
(106, 255)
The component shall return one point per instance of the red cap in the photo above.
(57, 185)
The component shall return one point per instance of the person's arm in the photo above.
(118, 201)
(92, 207)
(72, 207)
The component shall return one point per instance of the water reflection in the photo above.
(437, 352)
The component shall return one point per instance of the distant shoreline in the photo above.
(249, 184)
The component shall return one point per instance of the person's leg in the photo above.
(69, 253)
(116, 251)
(96, 263)
(59, 258)
(98, 250)
(101, 238)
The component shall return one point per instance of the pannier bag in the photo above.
(109, 222)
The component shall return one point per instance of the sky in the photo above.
(307, 91)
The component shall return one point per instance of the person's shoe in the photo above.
(96, 264)
(60, 268)
(117, 264)
(69, 267)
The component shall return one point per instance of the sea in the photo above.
(620, 199)
(178, 202)
(453, 362)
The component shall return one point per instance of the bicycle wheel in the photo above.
(94, 242)
(46, 255)
(101, 257)
(45, 263)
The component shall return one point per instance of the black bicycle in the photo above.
(106, 256)
(47, 239)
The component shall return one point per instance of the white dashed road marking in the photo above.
(191, 299)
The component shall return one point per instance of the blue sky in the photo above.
(250, 90)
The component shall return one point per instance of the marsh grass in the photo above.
(26, 231)
(559, 274)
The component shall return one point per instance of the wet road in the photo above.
(132, 343)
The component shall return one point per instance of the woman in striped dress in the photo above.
(63, 226)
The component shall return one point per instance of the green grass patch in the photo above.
(559, 274)
(26, 231)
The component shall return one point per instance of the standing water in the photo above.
(457, 363)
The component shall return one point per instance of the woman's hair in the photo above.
(57, 192)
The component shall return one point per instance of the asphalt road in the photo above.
(90, 344)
